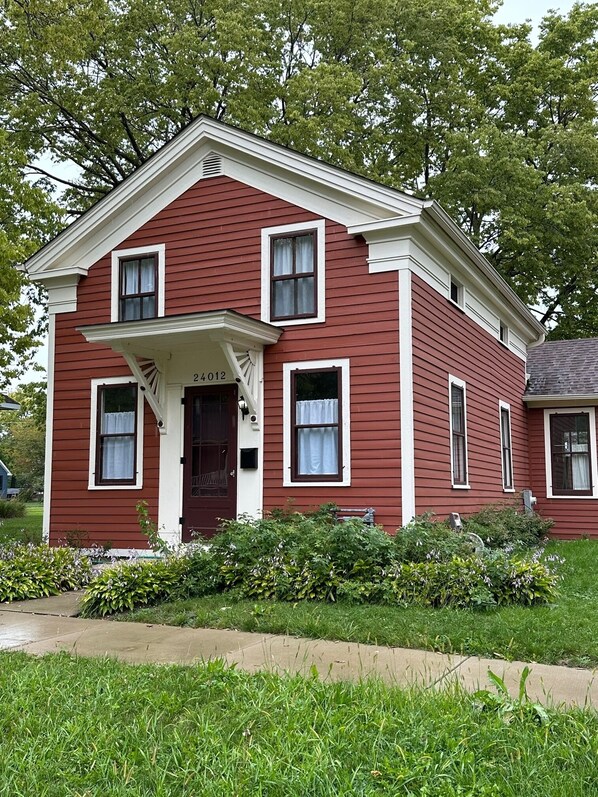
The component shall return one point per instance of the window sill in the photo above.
(115, 486)
(316, 484)
(572, 497)
(456, 304)
(461, 487)
(508, 490)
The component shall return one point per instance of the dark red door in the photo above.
(210, 469)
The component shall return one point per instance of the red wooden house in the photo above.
(237, 325)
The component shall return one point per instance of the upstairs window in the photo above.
(138, 283)
(570, 454)
(503, 334)
(138, 287)
(116, 434)
(294, 275)
(456, 292)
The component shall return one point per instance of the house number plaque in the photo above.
(211, 376)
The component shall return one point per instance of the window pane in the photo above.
(305, 295)
(304, 253)
(457, 409)
(130, 274)
(317, 418)
(569, 440)
(149, 304)
(282, 253)
(459, 470)
(118, 458)
(316, 385)
(318, 451)
(284, 298)
(147, 274)
(130, 309)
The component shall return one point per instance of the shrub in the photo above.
(12, 508)
(35, 571)
(505, 527)
(425, 540)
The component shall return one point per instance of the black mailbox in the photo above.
(249, 458)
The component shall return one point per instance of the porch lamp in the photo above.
(243, 407)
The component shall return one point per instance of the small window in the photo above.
(456, 292)
(116, 434)
(571, 458)
(505, 442)
(458, 433)
(293, 275)
(138, 285)
(503, 334)
(316, 418)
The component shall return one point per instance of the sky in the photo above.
(512, 11)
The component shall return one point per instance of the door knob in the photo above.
(232, 473)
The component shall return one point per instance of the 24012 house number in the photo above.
(210, 376)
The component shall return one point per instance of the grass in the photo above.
(77, 728)
(563, 633)
(23, 529)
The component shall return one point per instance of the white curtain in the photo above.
(118, 453)
(147, 275)
(317, 448)
(580, 469)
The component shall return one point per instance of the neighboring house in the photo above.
(5, 475)
(562, 395)
(237, 325)
(6, 403)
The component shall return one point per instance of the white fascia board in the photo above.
(578, 399)
(176, 167)
(5, 468)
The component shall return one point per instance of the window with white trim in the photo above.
(571, 453)
(116, 451)
(293, 273)
(316, 422)
(138, 283)
(506, 446)
(456, 292)
(458, 432)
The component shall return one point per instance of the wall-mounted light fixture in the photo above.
(243, 407)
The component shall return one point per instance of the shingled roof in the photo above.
(563, 368)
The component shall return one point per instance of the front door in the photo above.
(210, 459)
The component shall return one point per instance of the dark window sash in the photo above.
(128, 300)
(507, 453)
(294, 276)
(458, 435)
(562, 426)
(102, 437)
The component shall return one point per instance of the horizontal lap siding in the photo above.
(362, 325)
(446, 341)
(573, 517)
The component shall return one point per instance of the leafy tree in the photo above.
(22, 436)
(431, 96)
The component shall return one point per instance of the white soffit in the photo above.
(303, 181)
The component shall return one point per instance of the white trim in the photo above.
(49, 429)
(267, 232)
(117, 255)
(590, 411)
(460, 303)
(502, 405)
(311, 365)
(95, 384)
(454, 380)
(406, 398)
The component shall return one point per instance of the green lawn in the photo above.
(23, 529)
(563, 633)
(79, 728)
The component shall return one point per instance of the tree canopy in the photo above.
(429, 96)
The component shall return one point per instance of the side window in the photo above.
(138, 284)
(316, 423)
(116, 451)
(294, 274)
(458, 432)
(570, 454)
(138, 277)
(506, 449)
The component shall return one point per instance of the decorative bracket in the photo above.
(149, 374)
(243, 362)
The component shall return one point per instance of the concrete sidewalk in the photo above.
(49, 625)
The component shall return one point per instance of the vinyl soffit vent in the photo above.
(212, 165)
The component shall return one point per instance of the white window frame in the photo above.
(305, 226)
(95, 384)
(345, 431)
(502, 405)
(591, 412)
(503, 338)
(460, 303)
(454, 380)
(122, 254)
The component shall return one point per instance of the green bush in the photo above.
(425, 540)
(505, 527)
(12, 508)
(35, 571)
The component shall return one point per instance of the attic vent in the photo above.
(212, 165)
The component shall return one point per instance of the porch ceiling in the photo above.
(158, 337)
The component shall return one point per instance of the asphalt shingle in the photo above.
(563, 368)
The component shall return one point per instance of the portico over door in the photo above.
(210, 458)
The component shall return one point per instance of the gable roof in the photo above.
(5, 468)
(563, 368)
(207, 147)
(6, 403)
